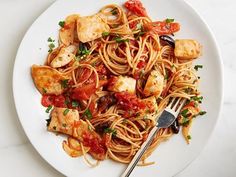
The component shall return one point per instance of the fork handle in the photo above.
(140, 152)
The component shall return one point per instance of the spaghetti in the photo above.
(107, 92)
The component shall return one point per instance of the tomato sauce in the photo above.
(95, 143)
(129, 101)
(136, 7)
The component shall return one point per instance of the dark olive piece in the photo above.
(170, 41)
(175, 127)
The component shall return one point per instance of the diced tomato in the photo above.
(101, 69)
(84, 92)
(141, 64)
(53, 100)
(106, 139)
(162, 27)
(96, 144)
(47, 100)
(136, 7)
(59, 101)
(84, 75)
(129, 102)
(133, 25)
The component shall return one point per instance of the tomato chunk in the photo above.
(129, 102)
(47, 100)
(53, 100)
(162, 27)
(136, 7)
(84, 92)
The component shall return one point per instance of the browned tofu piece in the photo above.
(62, 120)
(187, 49)
(91, 27)
(48, 80)
(65, 56)
(154, 84)
(69, 123)
(67, 33)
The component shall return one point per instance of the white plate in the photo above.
(172, 156)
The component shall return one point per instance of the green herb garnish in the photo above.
(109, 130)
(196, 67)
(64, 83)
(90, 128)
(51, 47)
(189, 137)
(170, 20)
(114, 11)
(104, 34)
(202, 113)
(184, 113)
(196, 98)
(82, 51)
(74, 104)
(66, 111)
(50, 40)
(44, 90)
(67, 101)
(88, 114)
(61, 23)
(64, 125)
(120, 40)
(48, 109)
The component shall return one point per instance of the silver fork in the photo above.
(167, 117)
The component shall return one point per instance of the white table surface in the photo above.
(19, 158)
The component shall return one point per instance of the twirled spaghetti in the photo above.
(108, 84)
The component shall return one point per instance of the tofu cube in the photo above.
(122, 84)
(91, 27)
(154, 84)
(65, 56)
(187, 49)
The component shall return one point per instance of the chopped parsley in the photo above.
(196, 98)
(202, 113)
(185, 121)
(66, 111)
(188, 90)
(74, 104)
(64, 83)
(67, 101)
(170, 20)
(90, 128)
(196, 67)
(50, 40)
(184, 113)
(104, 34)
(61, 23)
(109, 130)
(48, 109)
(54, 127)
(120, 40)
(189, 137)
(87, 113)
(114, 11)
(51, 47)
(44, 90)
(82, 51)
